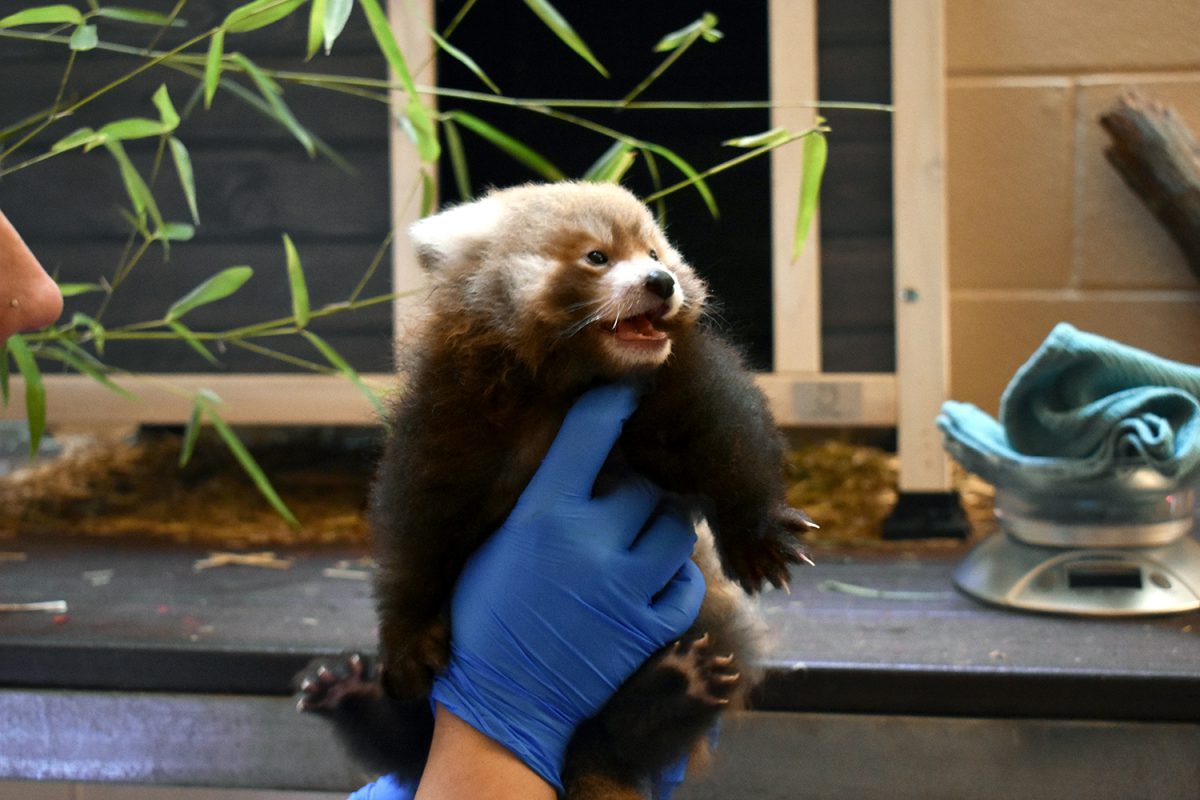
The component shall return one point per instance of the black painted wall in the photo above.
(255, 182)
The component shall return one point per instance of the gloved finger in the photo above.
(588, 433)
(388, 787)
(662, 548)
(668, 779)
(626, 507)
(676, 607)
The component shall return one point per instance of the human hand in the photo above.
(570, 596)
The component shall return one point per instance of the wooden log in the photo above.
(1159, 159)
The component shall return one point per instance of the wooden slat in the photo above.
(797, 285)
(922, 329)
(76, 402)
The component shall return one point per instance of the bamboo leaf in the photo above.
(691, 173)
(335, 358)
(464, 59)
(514, 148)
(83, 364)
(704, 28)
(84, 38)
(765, 139)
(166, 109)
(212, 66)
(816, 150)
(422, 129)
(271, 92)
(316, 27)
(175, 232)
(187, 178)
(295, 273)
(193, 341)
(458, 160)
(192, 432)
(555, 21)
(132, 128)
(259, 14)
(428, 193)
(81, 137)
(94, 327)
(74, 289)
(35, 391)
(4, 373)
(218, 287)
(336, 14)
(612, 164)
(135, 187)
(249, 465)
(139, 16)
(52, 14)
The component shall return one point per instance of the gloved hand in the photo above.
(570, 596)
(388, 787)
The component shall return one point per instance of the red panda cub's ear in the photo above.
(444, 238)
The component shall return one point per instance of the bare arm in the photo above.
(464, 763)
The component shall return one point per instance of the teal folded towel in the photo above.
(1083, 407)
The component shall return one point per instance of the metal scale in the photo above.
(1121, 546)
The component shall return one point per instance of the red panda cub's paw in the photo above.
(753, 560)
(327, 682)
(711, 679)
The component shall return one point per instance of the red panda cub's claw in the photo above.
(711, 680)
(326, 682)
(768, 557)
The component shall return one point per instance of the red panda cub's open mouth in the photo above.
(639, 327)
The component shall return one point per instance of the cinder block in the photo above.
(1049, 36)
(1009, 184)
(1120, 244)
(991, 335)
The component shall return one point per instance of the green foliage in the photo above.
(211, 60)
(816, 150)
(563, 30)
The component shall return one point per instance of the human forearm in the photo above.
(463, 763)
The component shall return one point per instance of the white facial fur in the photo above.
(445, 237)
(625, 281)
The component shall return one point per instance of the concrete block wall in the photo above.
(1041, 228)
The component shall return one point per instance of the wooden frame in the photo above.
(799, 392)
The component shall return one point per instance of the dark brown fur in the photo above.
(487, 386)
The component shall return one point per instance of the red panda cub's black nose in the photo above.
(661, 283)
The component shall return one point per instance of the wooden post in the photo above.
(796, 285)
(407, 277)
(1159, 159)
(922, 309)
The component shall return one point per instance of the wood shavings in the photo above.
(99, 577)
(264, 560)
(346, 574)
(46, 606)
(134, 487)
(357, 569)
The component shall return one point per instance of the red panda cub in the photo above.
(538, 293)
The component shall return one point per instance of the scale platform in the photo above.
(1112, 549)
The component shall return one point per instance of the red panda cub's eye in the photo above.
(654, 255)
(597, 257)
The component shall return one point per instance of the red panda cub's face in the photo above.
(568, 271)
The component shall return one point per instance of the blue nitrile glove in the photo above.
(388, 787)
(570, 596)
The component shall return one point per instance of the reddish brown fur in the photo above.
(496, 362)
